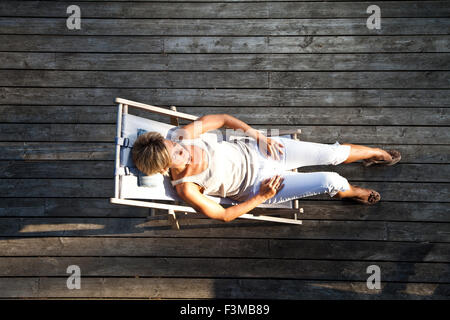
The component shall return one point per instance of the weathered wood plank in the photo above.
(61, 207)
(56, 169)
(360, 80)
(313, 210)
(57, 132)
(256, 115)
(375, 134)
(57, 187)
(124, 79)
(304, 44)
(439, 154)
(214, 268)
(226, 248)
(356, 9)
(319, 134)
(401, 172)
(247, 79)
(231, 27)
(207, 228)
(57, 151)
(310, 115)
(139, 10)
(187, 288)
(216, 44)
(384, 210)
(228, 97)
(404, 172)
(75, 43)
(226, 10)
(75, 114)
(235, 62)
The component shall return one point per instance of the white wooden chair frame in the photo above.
(123, 105)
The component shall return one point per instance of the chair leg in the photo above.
(173, 220)
(174, 120)
(295, 202)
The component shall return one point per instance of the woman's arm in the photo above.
(266, 145)
(212, 209)
(210, 122)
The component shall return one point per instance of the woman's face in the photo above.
(180, 156)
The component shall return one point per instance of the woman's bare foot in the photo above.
(366, 196)
(362, 195)
(358, 152)
(385, 158)
(382, 155)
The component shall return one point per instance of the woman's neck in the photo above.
(178, 170)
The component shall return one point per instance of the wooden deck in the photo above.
(308, 64)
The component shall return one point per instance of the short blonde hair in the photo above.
(150, 154)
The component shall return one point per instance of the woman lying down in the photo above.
(250, 173)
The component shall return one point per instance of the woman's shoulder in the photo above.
(188, 189)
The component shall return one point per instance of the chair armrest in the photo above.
(293, 132)
(173, 119)
(284, 132)
(155, 109)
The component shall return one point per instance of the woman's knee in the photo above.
(333, 182)
(340, 153)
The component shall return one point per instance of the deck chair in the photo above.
(158, 194)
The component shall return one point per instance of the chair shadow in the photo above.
(119, 226)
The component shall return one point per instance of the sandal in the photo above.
(396, 156)
(373, 198)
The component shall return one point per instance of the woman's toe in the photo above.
(395, 154)
(374, 197)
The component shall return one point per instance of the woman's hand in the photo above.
(270, 147)
(271, 186)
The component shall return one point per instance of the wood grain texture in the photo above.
(248, 79)
(55, 44)
(295, 116)
(188, 288)
(215, 268)
(226, 10)
(225, 248)
(230, 97)
(319, 134)
(224, 61)
(229, 27)
(207, 228)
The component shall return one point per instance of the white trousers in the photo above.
(300, 184)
